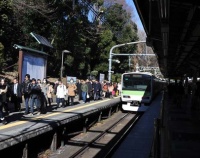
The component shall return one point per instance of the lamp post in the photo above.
(61, 69)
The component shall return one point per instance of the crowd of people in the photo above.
(40, 93)
(180, 91)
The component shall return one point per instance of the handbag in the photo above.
(66, 97)
(88, 95)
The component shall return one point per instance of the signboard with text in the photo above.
(71, 78)
(101, 77)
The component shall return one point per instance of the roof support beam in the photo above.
(164, 9)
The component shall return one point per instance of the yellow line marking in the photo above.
(20, 122)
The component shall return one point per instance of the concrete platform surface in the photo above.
(138, 142)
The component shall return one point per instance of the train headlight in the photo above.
(126, 96)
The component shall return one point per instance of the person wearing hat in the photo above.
(35, 91)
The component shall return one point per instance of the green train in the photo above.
(138, 90)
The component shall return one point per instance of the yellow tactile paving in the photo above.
(20, 122)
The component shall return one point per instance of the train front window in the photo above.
(136, 82)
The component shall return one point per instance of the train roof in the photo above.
(142, 73)
(146, 73)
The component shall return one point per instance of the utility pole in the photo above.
(112, 54)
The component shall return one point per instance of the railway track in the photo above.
(101, 139)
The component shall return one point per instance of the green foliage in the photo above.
(121, 30)
(81, 65)
(94, 73)
(102, 67)
(67, 27)
(105, 38)
(116, 77)
(2, 61)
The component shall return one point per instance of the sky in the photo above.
(136, 17)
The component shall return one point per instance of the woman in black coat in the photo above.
(3, 91)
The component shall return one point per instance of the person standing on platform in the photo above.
(90, 90)
(3, 91)
(110, 90)
(16, 94)
(97, 90)
(25, 88)
(35, 92)
(40, 98)
(179, 94)
(186, 87)
(196, 96)
(55, 86)
(61, 92)
(119, 88)
(79, 92)
(39, 82)
(84, 89)
(105, 90)
(71, 92)
(44, 88)
(49, 93)
(114, 92)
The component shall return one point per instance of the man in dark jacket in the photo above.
(97, 90)
(35, 93)
(16, 94)
(79, 92)
(25, 90)
(90, 90)
(84, 89)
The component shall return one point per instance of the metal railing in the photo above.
(158, 125)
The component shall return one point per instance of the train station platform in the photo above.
(23, 128)
(138, 142)
(180, 134)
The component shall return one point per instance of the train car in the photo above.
(138, 90)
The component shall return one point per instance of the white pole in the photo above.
(61, 69)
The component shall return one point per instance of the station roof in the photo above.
(173, 31)
(16, 46)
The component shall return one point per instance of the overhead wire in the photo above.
(96, 14)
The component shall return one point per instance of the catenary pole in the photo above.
(112, 54)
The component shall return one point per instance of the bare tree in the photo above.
(146, 61)
(126, 6)
(38, 6)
